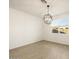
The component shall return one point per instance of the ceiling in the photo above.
(37, 8)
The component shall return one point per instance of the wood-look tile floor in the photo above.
(41, 50)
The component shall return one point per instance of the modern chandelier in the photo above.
(48, 18)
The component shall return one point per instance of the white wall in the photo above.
(24, 28)
(54, 37)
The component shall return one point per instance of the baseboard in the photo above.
(38, 41)
(55, 42)
(30, 42)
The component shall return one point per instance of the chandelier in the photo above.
(47, 17)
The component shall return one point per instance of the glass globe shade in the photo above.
(48, 19)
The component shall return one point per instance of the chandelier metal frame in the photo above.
(48, 18)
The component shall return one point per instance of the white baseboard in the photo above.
(29, 42)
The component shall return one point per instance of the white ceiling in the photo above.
(37, 8)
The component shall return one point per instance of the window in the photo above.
(60, 26)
